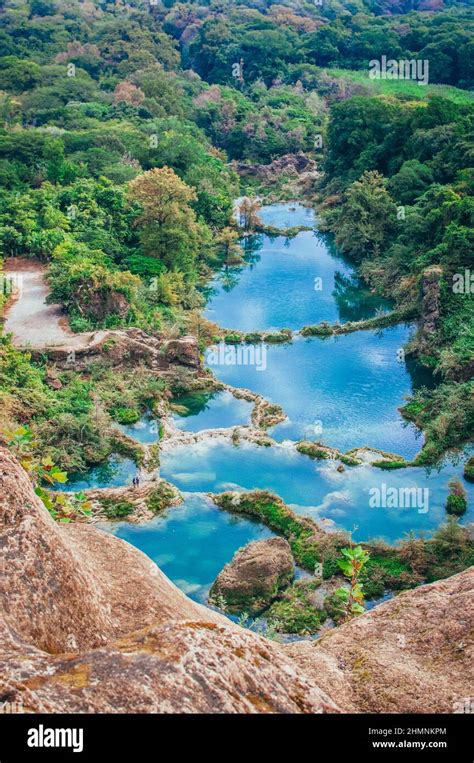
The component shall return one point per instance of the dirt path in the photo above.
(32, 322)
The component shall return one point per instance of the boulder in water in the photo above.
(254, 577)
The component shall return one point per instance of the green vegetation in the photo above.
(373, 568)
(290, 44)
(285, 335)
(451, 551)
(399, 199)
(233, 338)
(349, 461)
(161, 497)
(383, 464)
(469, 469)
(362, 84)
(387, 570)
(126, 415)
(410, 563)
(115, 152)
(456, 502)
(43, 471)
(295, 610)
(445, 414)
(351, 599)
(73, 424)
(123, 128)
(113, 509)
(377, 322)
(308, 544)
(312, 449)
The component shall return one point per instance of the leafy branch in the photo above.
(43, 470)
(351, 599)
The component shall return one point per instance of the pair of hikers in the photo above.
(136, 481)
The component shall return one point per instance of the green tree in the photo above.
(412, 179)
(366, 218)
(170, 231)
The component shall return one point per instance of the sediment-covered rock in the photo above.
(431, 287)
(412, 654)
(255, 576)
(133, 503)
(183, 351)
(127, 347)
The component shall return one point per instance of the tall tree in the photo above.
(169, 229)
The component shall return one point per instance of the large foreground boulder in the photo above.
(254, 577)
(413, 654)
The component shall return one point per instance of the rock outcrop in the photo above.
(183, 351)
(135, 504)
(127, 347)
(255, 576)
(413, 654)
(289, 164)
(430, 304)
(90, 624)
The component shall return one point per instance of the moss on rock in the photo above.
(163, 496)
(387, 465)
(312, 449)
(298, 610)
(116, 509)
(349, 460)
(469, 470)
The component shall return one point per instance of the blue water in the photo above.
(116, 472)
(287, 215)
(191, 543)
(343, 390)
(278, 288)
(212, 410)
(146, 431)
(315, 488)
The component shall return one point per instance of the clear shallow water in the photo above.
(116, 472)
(146, 431)
(344, 390)
(287, 215)
(210, 410)
(277, 288)
(191, 543)
(314, 488)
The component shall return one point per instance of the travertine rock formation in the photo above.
(127, 347)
